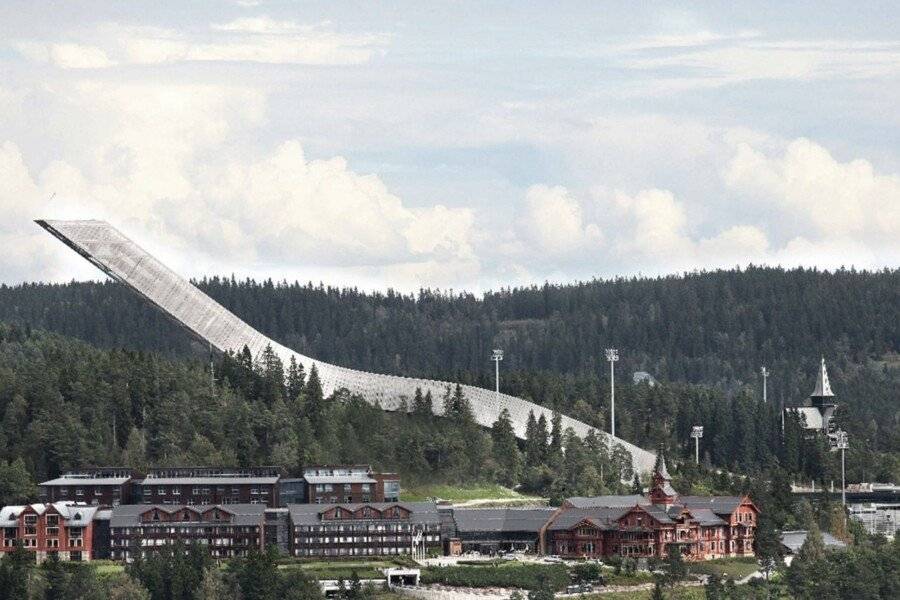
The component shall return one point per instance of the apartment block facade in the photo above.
(63, 529)
(226, 530)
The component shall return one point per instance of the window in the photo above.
(176, 491)
(52, 520)
(53, 543)
(161, 491)
(98, 491)
(31, 519)
(79, 492)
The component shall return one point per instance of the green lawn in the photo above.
(736, 568)
(342, 569)
(459, 493)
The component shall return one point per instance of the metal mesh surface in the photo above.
(122, 259)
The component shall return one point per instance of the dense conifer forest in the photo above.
(138, 391)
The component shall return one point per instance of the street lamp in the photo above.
(765, 375)
(497, 356)
(841, 443)
(697, 433)
(612, 355)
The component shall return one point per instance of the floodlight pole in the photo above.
(697, 433)
(612, 355)
(765, 375)
(843, 444)
(497, 356)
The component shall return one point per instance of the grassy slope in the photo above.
(459, 493)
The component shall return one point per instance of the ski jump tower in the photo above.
(112, 252)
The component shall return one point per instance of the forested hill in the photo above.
(715, 327)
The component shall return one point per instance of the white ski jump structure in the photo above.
(116, 255)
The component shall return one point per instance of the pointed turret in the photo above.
(661, 490)
(823, 386)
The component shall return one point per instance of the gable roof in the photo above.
(501, 519)
(309, 514)
(793, 540)
(74, 514)
(128, 515)
(720, 505)
(607, 501)
(602, 518)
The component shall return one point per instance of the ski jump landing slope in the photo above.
(123, 260)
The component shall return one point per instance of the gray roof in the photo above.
(720, 505)
(607, 501)
(420, 512)
(793, 540)
(314, 479)
(706, 517)
(151, 481)
(501, 519)
(603, 518)
(128, 515)
(86, 481)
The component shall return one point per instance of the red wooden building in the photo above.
(703, 527)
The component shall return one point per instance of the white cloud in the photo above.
(552, 223)
(149, 174)
(656, 236)
(827, 198)
(742, 58)
(252, 39)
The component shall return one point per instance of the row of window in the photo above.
(362, 527)
(358, 539)
(328, 487)
(64, 491)
(195, 530)
(197, 491)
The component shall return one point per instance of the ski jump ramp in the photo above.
(123, 260)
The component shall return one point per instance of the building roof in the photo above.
(720, 505)
(308, 514)
(812, 416)
(151, 481)
(128, 515)
(706, 517)
(607, 501)
(501, 519)
(352, 478)
(823, 386)
(600, 517)
(85, 480)
(74, 514)
(793, 540)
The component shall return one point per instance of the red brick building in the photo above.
(336, 484)
(209, 485)
(102, 486)
(65, 529)
(703, 527)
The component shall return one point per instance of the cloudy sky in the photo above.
(486, 144)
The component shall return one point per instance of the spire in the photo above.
(823, 387)
(660, 467)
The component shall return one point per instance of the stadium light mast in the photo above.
(497, 356)
(612, 355)
(697, 433)
(765, 375)
(842, 444)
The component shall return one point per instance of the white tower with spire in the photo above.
(819, 416)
